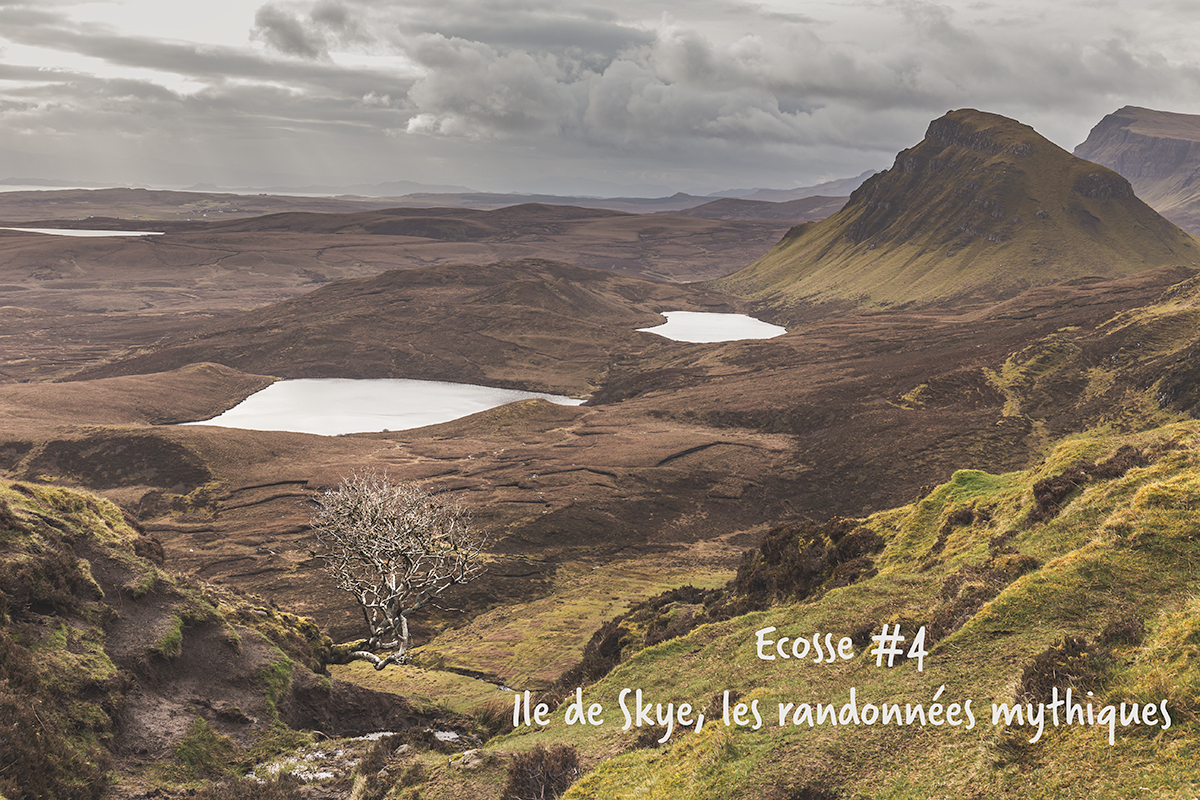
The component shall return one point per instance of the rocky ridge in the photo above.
(978, 211)
(1159, 152)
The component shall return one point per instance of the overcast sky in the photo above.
(556, 95)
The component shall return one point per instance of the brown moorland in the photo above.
(530, 324)
(73, 302)
(684, 450)
(681, 459)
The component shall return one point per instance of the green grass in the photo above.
(982, 226)
(170, 644)
(450, 690)
(531, 644)
(204, 752)
(1121, 547)
(276, 678)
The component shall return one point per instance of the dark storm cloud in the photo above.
(310, 35)
(287, 33)
(201, 62)
(778, 85)
(244, 112)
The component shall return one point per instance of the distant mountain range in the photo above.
(980, 210)
(742, 204)
(1159, 152)
(385, 189)
(836, 188)
(802, 210)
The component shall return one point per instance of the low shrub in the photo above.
(204, 751)
(1069, 662)
(282, 788)
(543, 773)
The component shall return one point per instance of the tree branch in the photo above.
(396, 548)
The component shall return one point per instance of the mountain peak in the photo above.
(984, 132)
(980, 209)
(1159, 152)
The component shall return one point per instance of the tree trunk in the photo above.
(397, 656)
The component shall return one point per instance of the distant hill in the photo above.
(528, 324)
(487, 201)
(803, 210)
(837, 188)
(978, 211)
(834, 188)
(1159, 153)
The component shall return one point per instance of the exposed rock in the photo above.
(947, 223)
(468, 759)
(1159, 152)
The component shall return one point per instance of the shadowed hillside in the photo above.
(1159, 152)
(978, 211)
(531, 324)
(1075, 573)
(113, 668)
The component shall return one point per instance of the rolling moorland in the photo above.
(980, 421)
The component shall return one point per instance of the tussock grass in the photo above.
(1112, 577)
(531, 644)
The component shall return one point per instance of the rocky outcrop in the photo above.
(950, 130)
(1103, 186)
(1158, 152)
(108, 662)
(978, 211)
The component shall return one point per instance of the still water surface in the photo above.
(707, 326)
(332, 406)
(83, 232)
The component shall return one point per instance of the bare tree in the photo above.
(395, 547)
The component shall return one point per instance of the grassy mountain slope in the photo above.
(111, 666)
(1078, 572)
(1004, 587)
(1134, 371)
(982, 208)
(1159, 152)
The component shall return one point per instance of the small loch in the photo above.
(708, 327)
(333, 406)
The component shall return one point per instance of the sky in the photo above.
(559, 96)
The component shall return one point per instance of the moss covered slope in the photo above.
(1079, 573)
(112, 668)
(981, 209)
